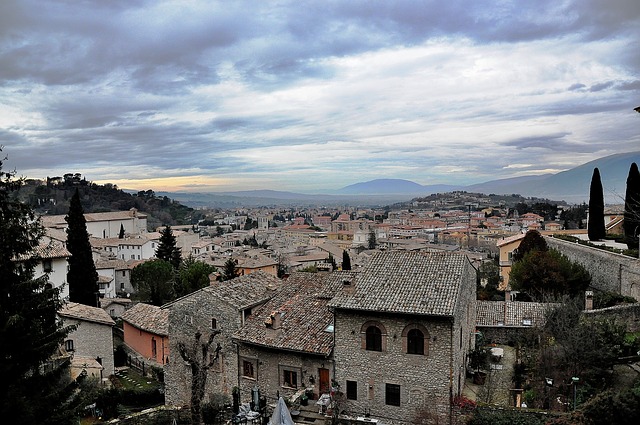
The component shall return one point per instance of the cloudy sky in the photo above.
(311, 95)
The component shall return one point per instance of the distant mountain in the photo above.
(393, 186)
(571, 186)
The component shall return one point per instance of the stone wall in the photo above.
(269, 366)
(425, 380)
(93, 340)
(609, 272)
(628, 314)
(190, 315)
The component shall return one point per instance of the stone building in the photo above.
(286, 345)
(224, 307)
(91, 343)
(403, 328)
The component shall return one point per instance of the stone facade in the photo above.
(93, 338)
(390, 383)
(609, 272)
(222, 307)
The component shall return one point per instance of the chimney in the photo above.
(348, 287)
(588, 300)
(273, 324)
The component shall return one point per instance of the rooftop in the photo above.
(303, 316)
(85, 312)
(424, 283)
(148, 318)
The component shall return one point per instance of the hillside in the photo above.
(51, 197)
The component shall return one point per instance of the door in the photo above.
(325, 383)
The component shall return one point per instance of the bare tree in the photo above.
(200, 360)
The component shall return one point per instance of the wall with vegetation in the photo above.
(609, 271)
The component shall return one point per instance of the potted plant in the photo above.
(479, 361)
(304, 399)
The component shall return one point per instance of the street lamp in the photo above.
(575, 381)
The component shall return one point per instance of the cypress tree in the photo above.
(346, 261)
(595, 226)
(631, 223)
(167, 248)
(82, 276)
(29, 331)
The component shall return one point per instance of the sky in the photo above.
(208, 96)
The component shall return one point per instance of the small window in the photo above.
(374, 338)
(124, 273)
(352, 390)
(415, 342)
(47, 266)
(247, 369)
(289, 378)
(214, 323)
(154, 348)
(526, 322)
(68, 345)
(392, 395)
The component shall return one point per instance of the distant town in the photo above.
(418, 311)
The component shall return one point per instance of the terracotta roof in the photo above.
(301, 305)
(106, 302)
(46, 250)
(246, 291)
(242, 292)
(510, 239)
(85, 312)
(148, 318)
(511, 313)
(424, 283)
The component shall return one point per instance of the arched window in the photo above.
(415, 339)
(415, 342)
(374, 338)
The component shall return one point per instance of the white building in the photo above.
(105, 225)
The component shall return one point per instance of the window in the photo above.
(124, 273)
(289, 377)
(392, 395)
(415, 342)
(247, 369)
(374, 338)
(214, 323)
(154, 348)
(47, 266)
(68, 345)
(352, 390)
(415, 339)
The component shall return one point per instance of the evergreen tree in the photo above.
(332, 261)
(372, 240)
(346, 261)
(230, 270)
(121, 234)
(192, 275)
(631, 223)
(154, 282)
(29, 331)
(167, 249)
(82, 276)
(595, 226)
(532, 241)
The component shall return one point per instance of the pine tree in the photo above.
(82, 276)
(230, 270)
(121, 234)
(595, 226)
(29, 331)
(371, 243)
(631, 223)
(346, 261)
(167, 248)
(532, 241)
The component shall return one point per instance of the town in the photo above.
(390, 315)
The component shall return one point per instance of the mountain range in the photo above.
(571, 186)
